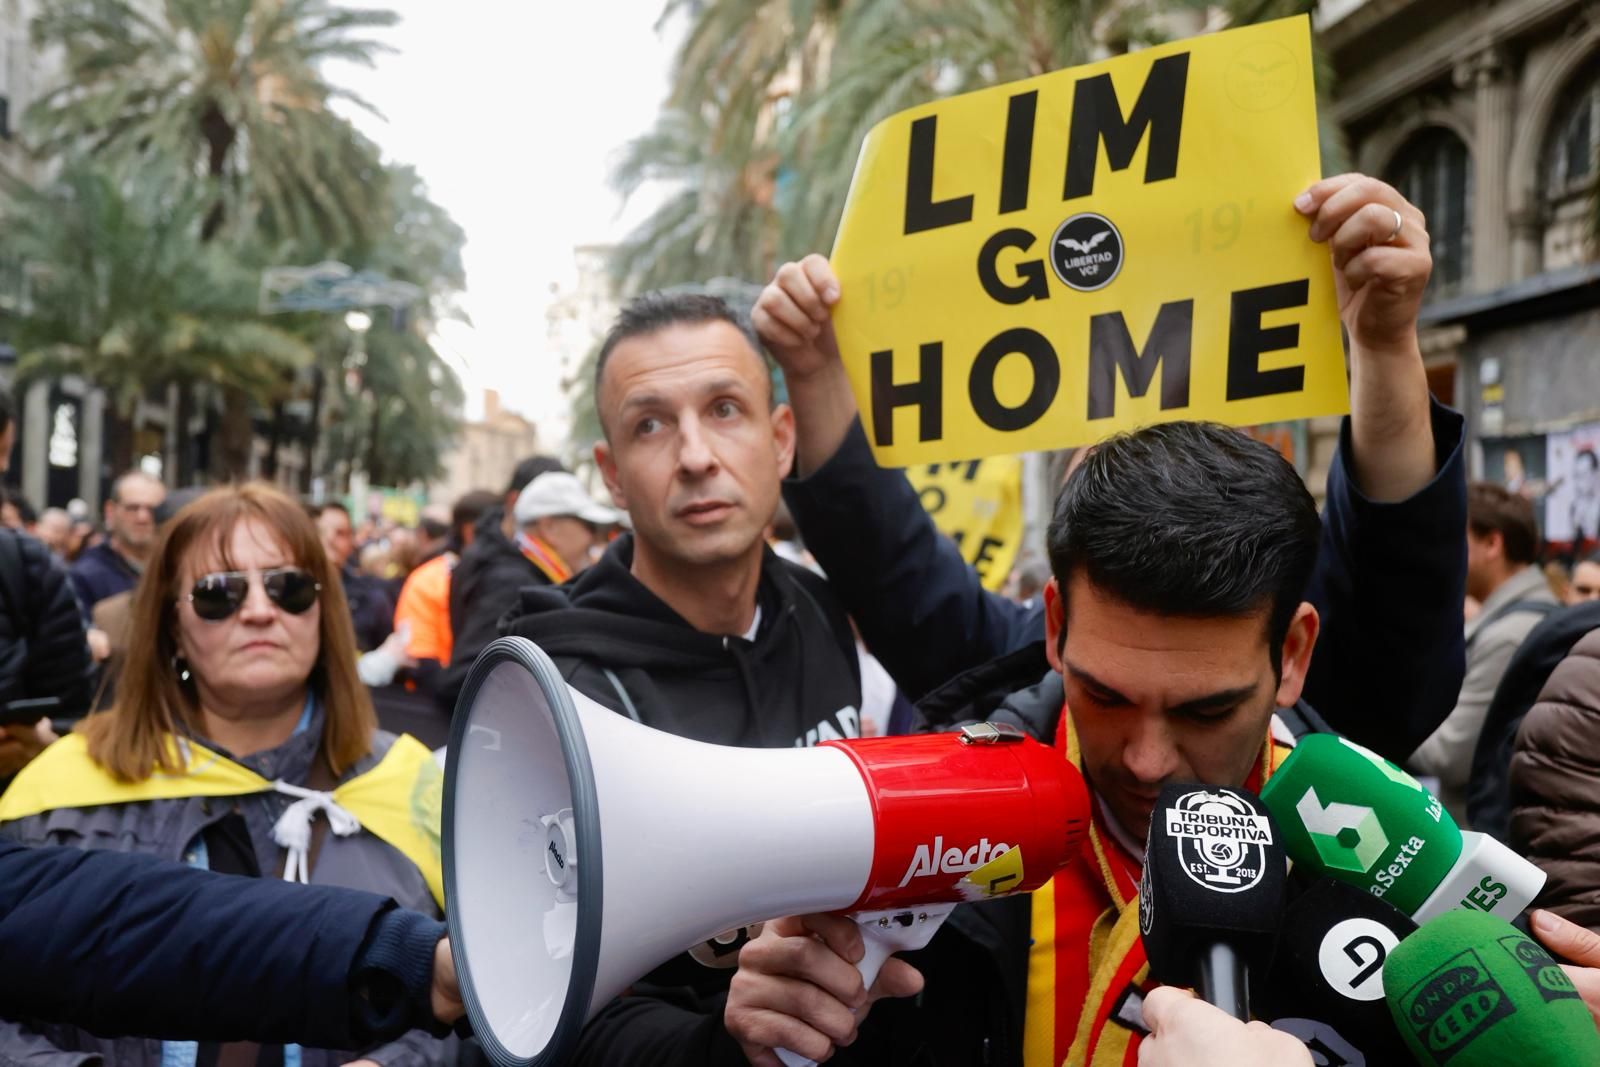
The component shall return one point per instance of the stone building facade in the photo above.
(1487, 116)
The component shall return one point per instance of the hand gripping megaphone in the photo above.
(583, 849)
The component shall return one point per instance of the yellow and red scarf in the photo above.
(1086, 967)
(544, 557)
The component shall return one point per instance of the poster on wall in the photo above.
(1518, 463)
(1572, 469)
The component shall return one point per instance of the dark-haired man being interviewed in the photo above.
(1187, 596)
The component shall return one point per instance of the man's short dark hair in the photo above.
(467, 510)
(529, 469)
(653, 312)
(1190, 519)
(1495, 509)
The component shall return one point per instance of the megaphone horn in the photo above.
(583, 849)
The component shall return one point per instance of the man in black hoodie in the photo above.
(691, 624)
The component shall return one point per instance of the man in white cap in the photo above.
(559, 523)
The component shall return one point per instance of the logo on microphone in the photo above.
(1351, 958)
(1220, 840)
(1455, 1003)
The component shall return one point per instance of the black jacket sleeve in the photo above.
(921, 610)
(123, 944)
(58, 662)
(1389, 583)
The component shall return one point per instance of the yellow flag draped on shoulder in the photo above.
(399, 801)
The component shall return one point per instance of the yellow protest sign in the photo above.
(1047, 262)
(977, 504)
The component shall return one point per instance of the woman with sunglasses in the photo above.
(241, 741)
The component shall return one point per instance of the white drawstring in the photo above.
(292, 831)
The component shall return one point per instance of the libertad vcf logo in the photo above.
(1219, 839)
(1086, 252)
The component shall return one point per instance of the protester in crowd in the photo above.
(114, 566)
(1170, 592)
(1559, 579)
(53, 529)
(16, 512)
(424, 602)
(239, 718)
(1585, 582)
(559, 525)
(691, 624)
(43, 652)
(1026, 581)
(1555, 784)
(83, 537)
(1390, 575)
(1181, 554)
(1502, 545)
(433, 532)
(121, 943)
(371, 610)
(484, 585)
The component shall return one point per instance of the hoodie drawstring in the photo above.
(292, 832)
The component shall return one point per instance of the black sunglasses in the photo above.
(216, 596)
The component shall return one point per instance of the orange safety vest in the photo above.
(425, 604)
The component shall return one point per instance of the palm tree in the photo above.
(122, 292)
(232, 93)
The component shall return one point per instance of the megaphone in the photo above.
(583, 849)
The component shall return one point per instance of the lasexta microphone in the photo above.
(1470, 990)
(1212, 893)
(1350, 814)
(1325, 985)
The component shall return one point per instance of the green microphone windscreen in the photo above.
(1468, 989)
(1350, 814)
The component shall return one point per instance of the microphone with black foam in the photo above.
(1212, 894)
(1469, 990)
(1350, 814)
(1326, 982)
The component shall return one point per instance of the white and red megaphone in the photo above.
(583, 849)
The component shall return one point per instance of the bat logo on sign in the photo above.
(1085, 246)
(1086, 252)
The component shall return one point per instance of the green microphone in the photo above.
(1350, 814)
(1468, 989)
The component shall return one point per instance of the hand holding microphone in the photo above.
(1185, 1032)
(1469, 990)
(1579, 946)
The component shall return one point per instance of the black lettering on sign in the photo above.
(1046, 379)
(1111, 351)
(1248, 340)
(932, 498)
(957, 536)
(1031, 284)
(926, 394)
(985, 556)
(923, 212)
(1018, 158)
(1097, 117)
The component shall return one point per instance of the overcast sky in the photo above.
(511, 110)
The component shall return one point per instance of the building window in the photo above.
(1434, 171)
(1569, 159)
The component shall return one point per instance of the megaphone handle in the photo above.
(884, 933)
